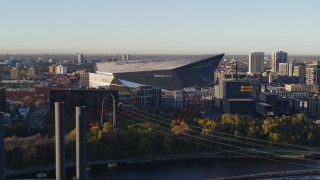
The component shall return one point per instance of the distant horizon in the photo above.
(112, 54)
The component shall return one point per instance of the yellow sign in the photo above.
(246, 88)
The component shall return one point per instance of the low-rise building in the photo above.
(148, 98)
(13, 105)
(188, 98)
(314, 107)
(84, 79)
(239, 106)
(91, 98)
(58, 69)
(31, 72)
(264, 109)
(302, 87)
(269, 98)
(301, 105)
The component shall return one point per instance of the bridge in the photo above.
(242, 146)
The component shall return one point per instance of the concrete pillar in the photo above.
(60, 144)
(2, 150)
(81, 141)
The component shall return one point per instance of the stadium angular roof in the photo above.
(150, 64)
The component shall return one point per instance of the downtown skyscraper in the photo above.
(256, 63)
(276, 58)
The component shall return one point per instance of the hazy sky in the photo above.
(160, 26)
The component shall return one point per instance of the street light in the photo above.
(113, 113)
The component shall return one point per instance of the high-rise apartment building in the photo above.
(256, 63)
(276, 58)
(80, 59)
(313, 73)
(290, 69)
(14, 72)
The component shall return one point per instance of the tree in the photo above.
(206, 124)
(179, 127)
(106, 127)
(38, 103)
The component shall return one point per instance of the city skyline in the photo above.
(163, 27)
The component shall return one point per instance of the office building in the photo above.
(226, 85)
(284, 69)
(237, 90)
(276, 58)
(256, 63)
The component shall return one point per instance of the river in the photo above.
(191, 169)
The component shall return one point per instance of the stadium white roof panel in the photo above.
(149, 64)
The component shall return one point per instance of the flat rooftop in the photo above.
(239, 100)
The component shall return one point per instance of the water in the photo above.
(295, 178)
(189, 170)
(197, 169)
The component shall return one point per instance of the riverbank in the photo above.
(132, 161)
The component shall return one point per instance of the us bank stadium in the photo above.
(168, 73)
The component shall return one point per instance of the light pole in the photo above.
(113, 113)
